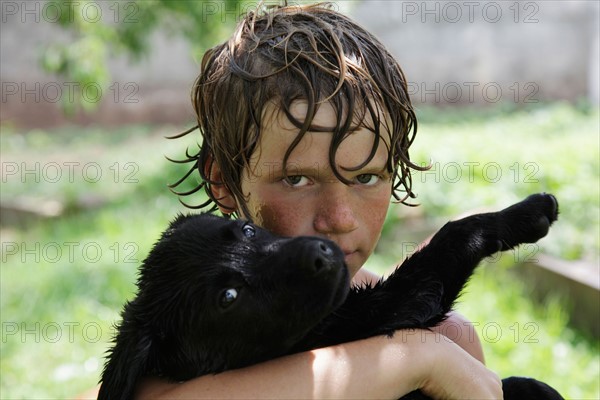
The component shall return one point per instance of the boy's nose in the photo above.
(335, 214)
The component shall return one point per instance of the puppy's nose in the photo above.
(320, 255)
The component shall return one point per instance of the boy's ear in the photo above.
(226, 201)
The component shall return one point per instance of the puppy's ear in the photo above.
(225, 199)
(127, 364)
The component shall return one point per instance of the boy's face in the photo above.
(310, 200)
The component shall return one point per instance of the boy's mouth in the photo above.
(348, 254)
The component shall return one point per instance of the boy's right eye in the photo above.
(296, 180)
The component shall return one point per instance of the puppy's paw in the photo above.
(516, 388)
(544, 203)
(528, 221)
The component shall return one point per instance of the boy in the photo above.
(306, 126)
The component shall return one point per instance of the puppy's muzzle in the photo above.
(318, 255)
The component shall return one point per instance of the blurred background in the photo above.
(507, 99)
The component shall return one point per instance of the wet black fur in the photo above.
(293, 294)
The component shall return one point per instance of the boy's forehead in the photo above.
(278, 133)
(324, 117)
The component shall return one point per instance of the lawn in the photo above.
(64, 278)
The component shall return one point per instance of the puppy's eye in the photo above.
(228, 296)
(248, 231)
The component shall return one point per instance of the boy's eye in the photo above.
(367, 179)
(296, 180)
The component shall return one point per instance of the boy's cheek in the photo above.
(290, 219)
(282, 217)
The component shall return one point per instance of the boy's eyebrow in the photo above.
(316, 169)
(291, 168)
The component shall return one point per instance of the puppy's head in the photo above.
(225, 293)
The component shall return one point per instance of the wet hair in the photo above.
(297, 53)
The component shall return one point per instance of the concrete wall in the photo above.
(491, 51)
(463, 52)
(155, 89)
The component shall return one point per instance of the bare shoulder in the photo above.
(364, 276)
(461, 330)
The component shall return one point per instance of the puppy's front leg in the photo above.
(441, 269)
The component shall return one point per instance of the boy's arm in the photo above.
(456, 327)
(377, 367)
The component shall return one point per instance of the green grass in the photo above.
(520, 338)
(505, 158)
(57, 310)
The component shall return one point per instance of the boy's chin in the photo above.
(354, 261)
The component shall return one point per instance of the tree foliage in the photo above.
(99, 30)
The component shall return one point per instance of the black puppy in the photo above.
(217, 294)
